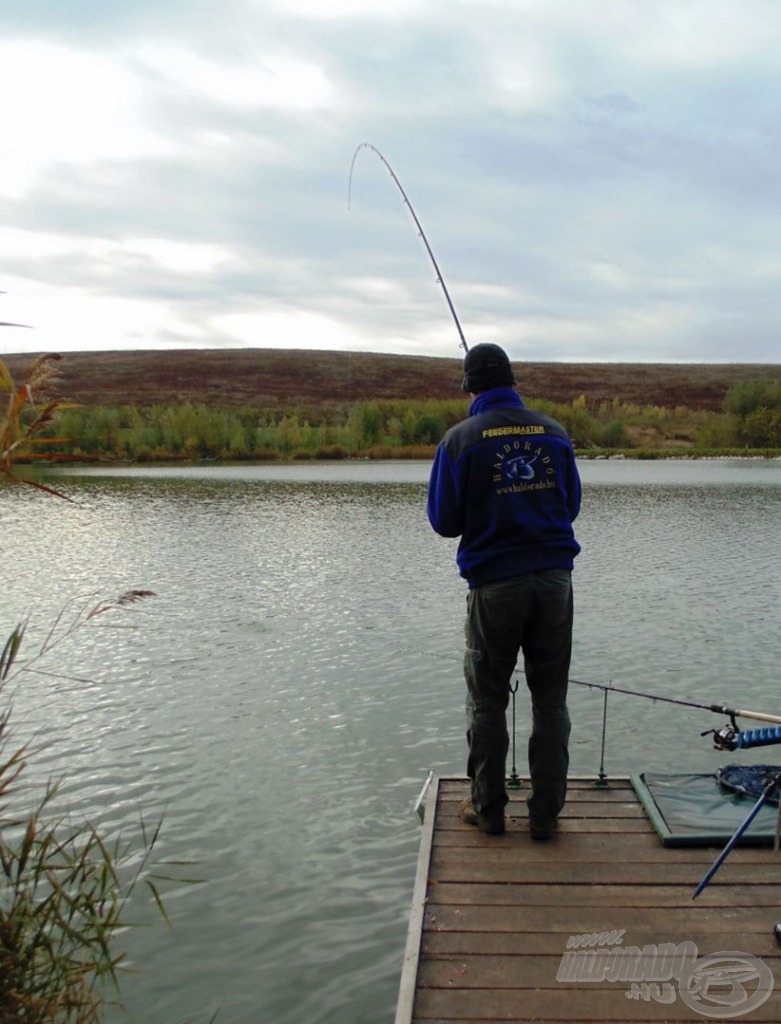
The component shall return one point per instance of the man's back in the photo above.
(505, 481)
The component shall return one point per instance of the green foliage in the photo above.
(718, 432)
(403, 428)
(761, 428)
(755, 407)
(750, 395)
(614, 435)
(366, 422)
(61, 905)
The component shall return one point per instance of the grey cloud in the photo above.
(96, 21)
(649, 173)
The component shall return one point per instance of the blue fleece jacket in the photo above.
(504, 480)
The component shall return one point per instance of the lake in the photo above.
(281, 699)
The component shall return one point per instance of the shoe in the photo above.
(541, 831)
(491, 824)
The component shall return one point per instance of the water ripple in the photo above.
(280, 701)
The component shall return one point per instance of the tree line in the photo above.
(750, 418)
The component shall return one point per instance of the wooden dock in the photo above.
(492, 917)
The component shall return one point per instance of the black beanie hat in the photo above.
(486, 366)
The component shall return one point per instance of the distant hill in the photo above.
(277, 377)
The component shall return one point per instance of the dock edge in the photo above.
(409, 971)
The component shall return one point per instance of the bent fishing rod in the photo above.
(421, 232)
(719, 709)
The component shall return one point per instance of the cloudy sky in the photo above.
(598, 181)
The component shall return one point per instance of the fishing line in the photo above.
(421, 232)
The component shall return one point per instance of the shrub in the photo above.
(332, 451)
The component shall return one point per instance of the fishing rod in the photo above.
(421, 232)
(728, 738)
(719, 709)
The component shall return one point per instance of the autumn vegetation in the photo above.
(276, 404)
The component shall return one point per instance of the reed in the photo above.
(26, 420)
(64, 885)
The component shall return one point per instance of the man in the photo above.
(504, 480)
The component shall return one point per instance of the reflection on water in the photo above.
(299, 672)
(620, 472)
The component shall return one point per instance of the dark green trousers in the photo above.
(531, 614)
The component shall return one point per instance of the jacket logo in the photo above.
(518, 465)
(520, 468)
(532, 428)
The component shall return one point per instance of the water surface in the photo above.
(299, 671)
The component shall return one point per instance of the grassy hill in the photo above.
(276, 377)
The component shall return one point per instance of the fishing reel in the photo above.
(730, 737)
(725, 738)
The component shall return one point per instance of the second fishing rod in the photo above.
(719, 709)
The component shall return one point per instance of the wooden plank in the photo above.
(575, 875)
(573, 920)
(616, 809)
(574, 807)
(452, 793)
(451, 789)
(761, 944)
(575, 798)
(507, 869)
(534, 971)
(409, 971)
(604, 896)
(584, 809)
(561, 1004)
(457, 834)
(501, 909)
(643, 848)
